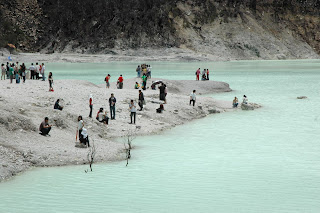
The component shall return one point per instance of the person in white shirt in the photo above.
(133, 111)
(102, 116)
(245, 100)
(32, 70)
(37, 71)
(80, 127)
(193, 97)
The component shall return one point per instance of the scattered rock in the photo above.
(302, 97)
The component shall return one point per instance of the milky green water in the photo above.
(267, 160)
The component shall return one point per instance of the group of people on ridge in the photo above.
(204, 74)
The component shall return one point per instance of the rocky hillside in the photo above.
(230, 29)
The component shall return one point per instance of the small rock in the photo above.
(302, 97)
(200, 107)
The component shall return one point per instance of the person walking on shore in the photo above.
(80, 127)
(50, 78)
(3, 72)
(193, 97)
(197, 74)
(141, 100)
(11, 73)
(144, 80)
(45, 127)
(120, 82)
(138, 70)
(42, 70)
(162, 95)
(133, 112)
(32, 70)
(107, 78)
(112, 104)
(23, 72)
(90, 105)
(37, 70)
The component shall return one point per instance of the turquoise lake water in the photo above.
(267, 160)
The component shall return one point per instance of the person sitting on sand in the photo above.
(57, 105)
(245, 99)
(45, 127)
(80, 127)
(120, 82)
(137, 85)
(102, 116)
(160, 109)
(235, 102)
(193, 97)
(85, 138)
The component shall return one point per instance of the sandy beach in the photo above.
(24, 106)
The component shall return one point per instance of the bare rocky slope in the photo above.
(228, 30)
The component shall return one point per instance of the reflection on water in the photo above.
(266, 160)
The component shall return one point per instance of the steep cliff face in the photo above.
(246, 29)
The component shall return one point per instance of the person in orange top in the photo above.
(197, 74)
(120, 82)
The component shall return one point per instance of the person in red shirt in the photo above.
(90, 105)
(120, 82)
(207, 74)
(198, 74)
(107, 81)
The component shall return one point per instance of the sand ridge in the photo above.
(24, 106)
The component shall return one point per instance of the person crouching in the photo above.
(102, 116)
(45, 127)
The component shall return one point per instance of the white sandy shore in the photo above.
(24, 106)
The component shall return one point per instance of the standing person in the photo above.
(23, 72)
(138, 70)
(120, 81)
(141, 100)
(149, 71)
(106, 79)
(17, 77)
(32, 71)
(198, 74)
(43, 69)
(3, 72)
(193, 97)
(208, 74)
(80, 127)
(45, 127)
(133, 111)
(11, 73)
(162, 96)
(144, 80)
(90, 105)
(112, 104)
(8, 67)
(37, 70)
(50, 78)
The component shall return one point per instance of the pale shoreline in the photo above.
(23, 107)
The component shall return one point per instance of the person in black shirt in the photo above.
(141, 100)
(112, 104)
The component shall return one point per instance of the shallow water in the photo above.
(267, 160)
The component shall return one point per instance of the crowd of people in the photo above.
(16, 71)
(204, 75)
